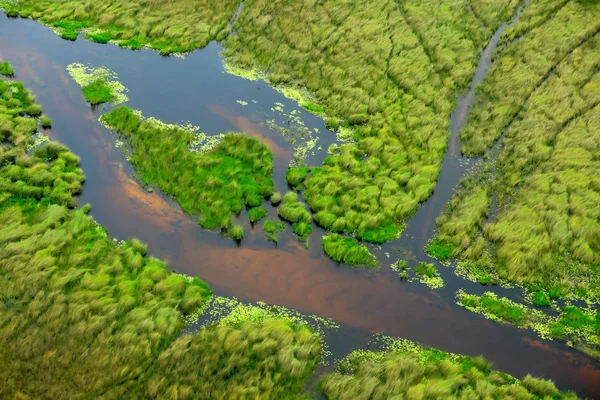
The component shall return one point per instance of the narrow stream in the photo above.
(197, 90)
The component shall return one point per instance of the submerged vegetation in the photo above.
(543, 233)
(406, 370)
(579, 327)
(235, 173)
(347, 250)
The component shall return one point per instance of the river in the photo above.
(196, 89)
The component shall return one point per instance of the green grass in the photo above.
(498, 307)
(294, 211)
(348, 251)
(6, 69)
(179, 26)
(234, 174)
(98, 92)
(99, 37)
(236, 232)
(407, 370)
(85, 316)
(273, 228)
(295, 176)
(45, 121)
(440, 250)
(544, 177)
(255, 214)
(394, 93)
(426, 270)
(579, 327)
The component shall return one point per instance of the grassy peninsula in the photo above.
(236, 173)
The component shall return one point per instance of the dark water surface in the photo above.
(195, 89)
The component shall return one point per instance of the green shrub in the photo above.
(273, 228)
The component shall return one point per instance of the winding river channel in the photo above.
(198, 90)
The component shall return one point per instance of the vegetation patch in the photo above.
(294, 211)
(578, 327)
(401, 268)
(45, 121)
(255, 214)
(235, 173)
(6, 69)
(296, 176)
(544, 178)
(83, 315)
(398, 116)
(273, 228)
(427, 274)
(168, 28)
(99, 85)
(404, 369)
(348, 251)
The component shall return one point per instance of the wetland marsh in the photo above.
(142, 186)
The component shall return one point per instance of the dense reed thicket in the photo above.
(235, 173)
(545, 179)
(409, 371)
(169, 27)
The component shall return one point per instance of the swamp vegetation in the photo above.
(530, 214)
(407, 370)
(235, 174)
(387, 71)
(579, 327)
(85, 316)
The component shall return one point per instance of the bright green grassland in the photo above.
(169, 27)
(409, 371)
(234, 174)
(545, 179)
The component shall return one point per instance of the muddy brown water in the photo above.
(196, 89)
